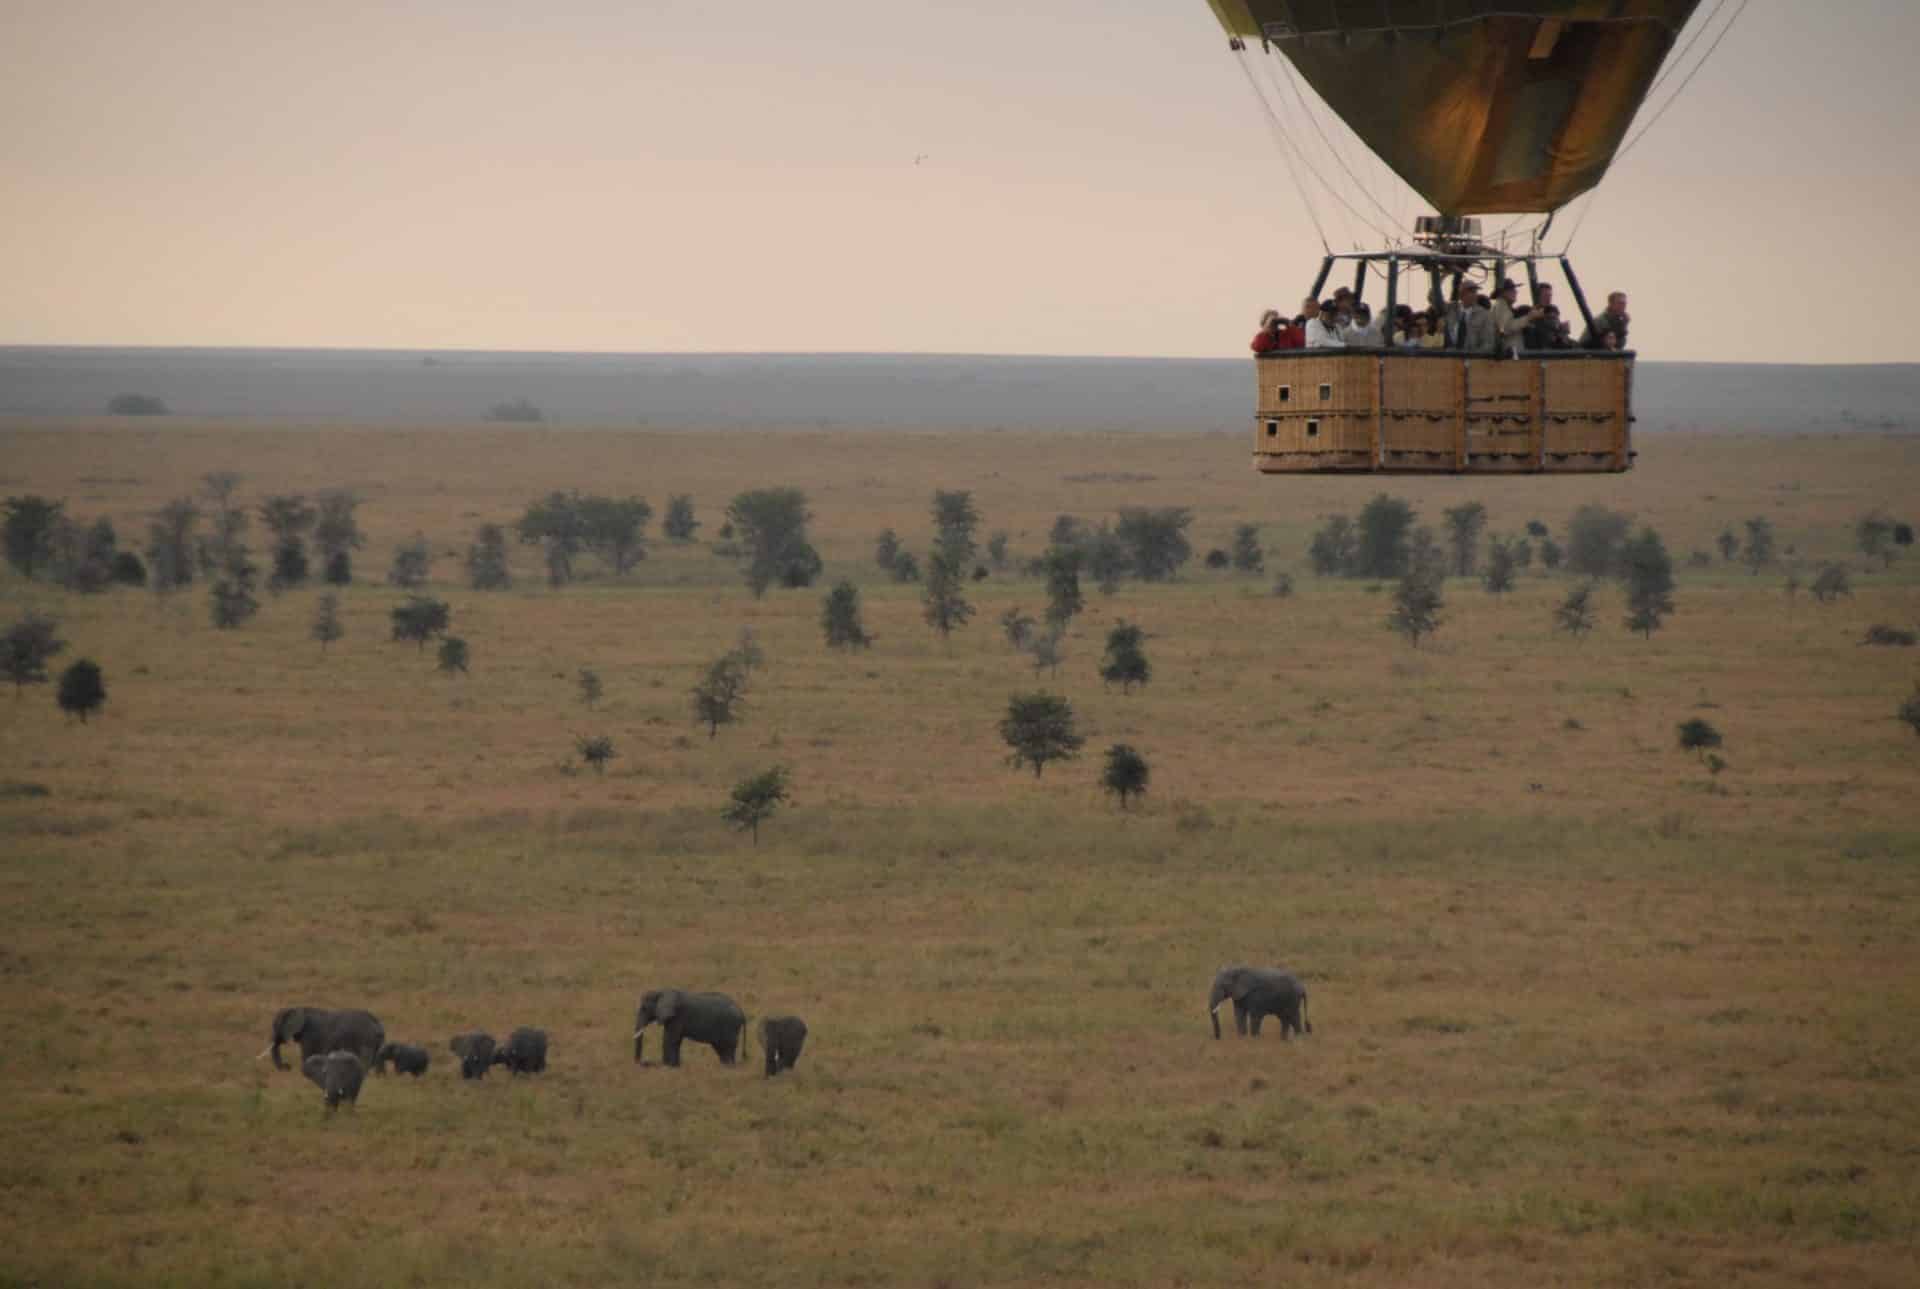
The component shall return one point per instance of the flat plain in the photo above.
(1585, 1013)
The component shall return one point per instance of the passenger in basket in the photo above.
(1467, 326)
(1545, 330)
(1613, 322)
(1275, 333)
(1364, 331)
(1509, 318)
(1323, 327)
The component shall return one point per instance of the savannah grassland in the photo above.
(1584, 1014)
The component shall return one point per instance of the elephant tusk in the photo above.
(265, 1052)
(1215, 1009)
(638, 1032)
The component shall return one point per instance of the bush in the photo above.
(1155, 540)
(887, 549)
(487, 560)
(1728, 543)
(1385, 527)
(1017, 627)
(1910, 711)
(1039, 727)
(1596, 541)
(1882, 634)
(1335, 549)
(905, 567)
(83, 690)
(1874, 535)
(840, 618)
(755, 799)
(1575, 614)
(517, 412)
(1248, 557)
(1126, 773)
(1047, 652)
(137, 405)
(1465, 523)
(679, 524)
(326, 626)
(1217, 559)
(127, 570)
(1649, 575)
(1283, 586)
(1502, 566)
(1416, 605)
(231, 601)
(29, 527)
(1126, 662)
(997, 551)
(1698, 737)
(596, 750)
(26, 649)
(420, 619)
(411, 563)
(589, 684)
(1550, 554)
(1760, 544)
(289, 565)
(1536, 529)
(1831, 583)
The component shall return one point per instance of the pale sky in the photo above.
(681, 175)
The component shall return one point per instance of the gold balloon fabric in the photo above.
(1480, 105)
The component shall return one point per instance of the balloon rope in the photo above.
(1299, 98)
(1674, 97)
(1286, 149)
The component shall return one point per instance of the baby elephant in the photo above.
(406, 1058)
(781, 1038)
(338, 1074)
(525, 1051)
(475, 1051)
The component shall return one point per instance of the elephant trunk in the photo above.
(273, 1050)
(1214, 999)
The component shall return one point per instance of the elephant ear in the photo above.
(667, 1007)
(290, 1022)
(1242, 986)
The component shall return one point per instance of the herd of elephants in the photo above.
(337, 1048)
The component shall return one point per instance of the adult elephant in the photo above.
(713, 1019)
(319, 1031)
(1256, 993)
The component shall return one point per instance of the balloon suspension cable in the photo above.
(1292, 78)
(1593, 195)
(1286, 144)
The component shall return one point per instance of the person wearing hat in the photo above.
(1275, 333)
(1613, 322)
(1509, 319)
(1465, 324)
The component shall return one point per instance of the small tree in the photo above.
(1283, 587)
(1218, 559)
(1108, 558)
(1874, 535)
(1335, 550)
(339, 571)
(26, 649)
(954, 520)
(29, 525)
(840, 618)
(588, 683)
(1385, 527)
(1416, 605)
(946, 607)
(1048, 652)
(997, 551)
(679, 524)
(289, 565)
(1576, 614)
(1649, 574)
(1698, 737)
(747, 651)
(326, 621)
(906, 568)
(170, 544)
(887, 549)
(1465, 523)
(1126, 773)
(411, 564)
(1125, 663)
(487, 560)
(128, 570)
(1502, 565)
(231, 600)
(1155, 539)
(1596, 540)
(720, 695)
(336, 532)
(1759, 550)
(772, 525)
(1550, 554)
(756, 798)
(1792, 586)
(1248, 557)
(1536, 529)
(596, 750)
(1728, 543)
(1910, 710)
(516, 412)
(453, 656)
(137, 405)
(83, 690)
(1017, 627)
(1064, 600)
(1039, 727)
(1831, 583)
(420, 619)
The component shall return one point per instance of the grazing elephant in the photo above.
(781, 1038)
(475, 1051)
(1258, 992)
(525, 1051)
(713, 1019)
(320, 1031)
(338, 1075)
(406, 1058)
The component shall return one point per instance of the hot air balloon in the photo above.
(1481, 107)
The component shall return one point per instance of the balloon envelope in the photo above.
(1480, 105)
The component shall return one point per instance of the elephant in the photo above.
(337, 1074)
(781, 1038)
(713, 1019)
(524, 1052)
(475, 1051)
(320, 1031)
(406, 1058)
(1258, 992)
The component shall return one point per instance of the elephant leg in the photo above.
(727, 1048)
(1258, 1016)
(1240, 1020)
(670, 1046)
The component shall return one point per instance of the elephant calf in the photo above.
(781, 1038)
(338, 1075)
(525, 1051)
(406, 1058)
(1259, 992)
(475, 1051)
(713, 1019)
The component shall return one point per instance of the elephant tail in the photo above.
(1306, 1026)
(745, 1028)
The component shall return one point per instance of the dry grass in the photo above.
(1584, 1014)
